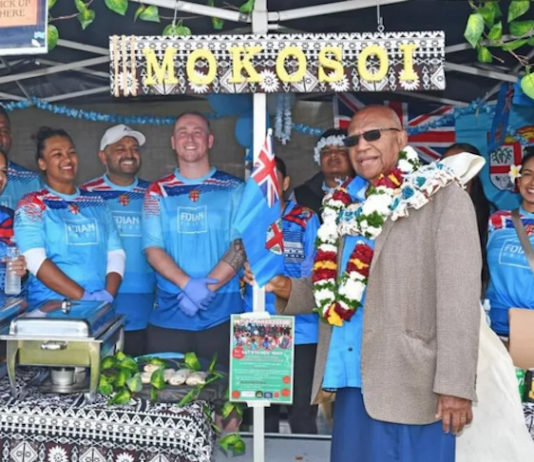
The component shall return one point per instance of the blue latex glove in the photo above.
(98, 296)
(103, 296)
(186, 305)
(88, 296)
(198, 292)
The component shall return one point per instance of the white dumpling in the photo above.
(145, 377)
(196, 378)
(168, 373)
(180, 377)
(151, 368)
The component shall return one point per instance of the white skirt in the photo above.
(498, 432)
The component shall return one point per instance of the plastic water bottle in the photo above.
(487, 308)
(12, 283)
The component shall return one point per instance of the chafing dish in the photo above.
(68, 337)
(10, 308)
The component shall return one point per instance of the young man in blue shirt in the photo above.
(189, 239)
(123, 192)
(20, 180)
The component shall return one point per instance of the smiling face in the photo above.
(122, 158)
(191, 139)
(335, 162)
(525, 183)
(59, 161)
(370, 159)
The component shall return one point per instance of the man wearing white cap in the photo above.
(123, 193)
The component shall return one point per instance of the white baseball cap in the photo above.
(117, 133)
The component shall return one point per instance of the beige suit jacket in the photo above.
(421, 315)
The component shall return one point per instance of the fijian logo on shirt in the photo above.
(194, 195)
(275, 239)
(74, 209)
(124, 200)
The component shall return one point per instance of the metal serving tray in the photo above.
(10, 308)
(84, 320)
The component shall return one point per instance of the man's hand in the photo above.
(186, 305)
(455, 413)
(198, 292)
(276, 284)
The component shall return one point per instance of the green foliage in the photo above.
(247, 7)
(176, 30)
(53, 36)
(517, 8)
(474, 29)
(150, 13)
(191, 361)
(117, 6)
(485, 33)
(217, 23)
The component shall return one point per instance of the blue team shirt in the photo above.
(20, 181)
(512, 283)
(136, 294)
(343, 363)
(76, 231)
(300, 227)
(192, 220)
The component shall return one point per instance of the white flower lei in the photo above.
(367, 219)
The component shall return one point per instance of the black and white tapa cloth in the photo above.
(63, 428)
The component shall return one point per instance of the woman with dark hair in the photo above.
(67, 235)
(483, 207)
(512, 280)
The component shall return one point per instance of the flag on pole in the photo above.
(499, 127)
(258, 218)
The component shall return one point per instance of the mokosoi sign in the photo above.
(285, 63)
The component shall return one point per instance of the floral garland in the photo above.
(408, 185)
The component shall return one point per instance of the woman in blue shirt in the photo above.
(68, 237)
(511, 279)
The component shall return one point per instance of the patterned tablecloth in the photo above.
(528, 409)
(62, 428)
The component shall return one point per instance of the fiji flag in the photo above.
(258, 219)
(501, 119)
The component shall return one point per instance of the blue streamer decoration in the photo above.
(476, 106)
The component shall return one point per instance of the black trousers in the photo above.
(302, 415)
(135, 342)
(204, 343)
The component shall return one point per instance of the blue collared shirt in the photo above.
(344, 356)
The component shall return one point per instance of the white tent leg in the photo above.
(259, 26)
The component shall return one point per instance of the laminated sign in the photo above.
(23, 26)
(261, 359)
(284, 63)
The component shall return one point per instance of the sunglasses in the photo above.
(371, 135)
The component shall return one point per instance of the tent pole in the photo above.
(338, 7)
(197, 9)
(259, 26)
(480, 72)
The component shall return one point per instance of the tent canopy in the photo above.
(84, 59)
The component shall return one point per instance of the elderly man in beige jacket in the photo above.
(397, 282)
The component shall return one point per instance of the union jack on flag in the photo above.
(430, 144)
(264, 171)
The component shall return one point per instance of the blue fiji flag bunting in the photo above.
(501, 119)
(258, 218)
